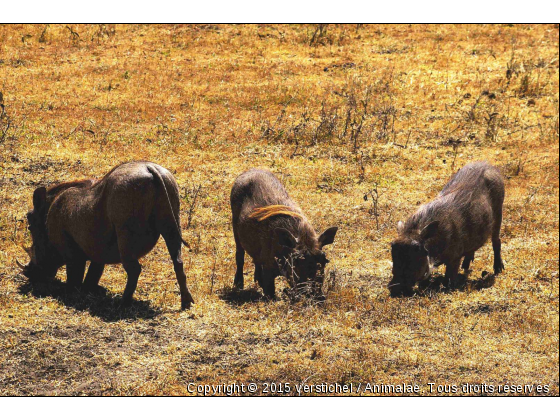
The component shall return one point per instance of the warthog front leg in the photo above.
(452, 272)
(268, 276)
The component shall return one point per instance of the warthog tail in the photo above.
(159, 180)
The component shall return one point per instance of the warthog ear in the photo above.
(400, 227)
(285, 238)
(430, 230)
(39, 197)
(327, 237)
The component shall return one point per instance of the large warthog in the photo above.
(456, 224)
(117, 219)
(273, 230)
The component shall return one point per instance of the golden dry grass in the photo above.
(340, 113)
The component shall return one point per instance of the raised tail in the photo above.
(159, 179)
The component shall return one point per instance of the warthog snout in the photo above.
(304, 270)
(410, 266)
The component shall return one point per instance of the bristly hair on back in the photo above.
(263, 213)
(63, 186)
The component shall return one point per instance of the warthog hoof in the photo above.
(126, 302)
(187, 302)
(186, 305)
(94, 290)
(72, 288)
(498, 268)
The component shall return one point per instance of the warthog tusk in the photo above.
(23, 267)
(27, 250)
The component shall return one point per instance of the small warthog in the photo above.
(117, 219)
(273, 230)
(454, 225)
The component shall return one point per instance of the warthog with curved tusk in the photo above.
(117, 219)
(456, 224)
(273, 230)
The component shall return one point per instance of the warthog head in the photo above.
(44, 260)
(411, 264)
(303, 267)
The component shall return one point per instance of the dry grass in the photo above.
(339, 113)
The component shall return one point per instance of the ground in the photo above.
(362, 124)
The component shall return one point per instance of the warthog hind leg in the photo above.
(259, 274)
(127, 243)
(498, 262)
(173, 242)
(94, 273)
(133, 270)
(75, 270)
(238, 282)
(496, 242)
(467, 261)
(497, 247)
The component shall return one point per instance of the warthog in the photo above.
(456, 224)
(273, 230)
(117, 219)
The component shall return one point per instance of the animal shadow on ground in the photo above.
(438, 284)
(101, 303)
(238, 297)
